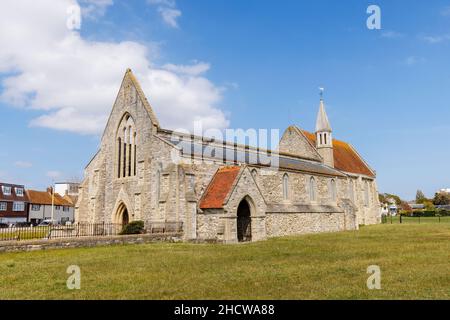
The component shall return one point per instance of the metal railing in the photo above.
(78, 230)
(414, 219)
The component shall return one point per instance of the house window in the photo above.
(312, 189)
(3, 206)
(285, 187)
(18, 206)
(6, 190)
(65, 208)
(333, 190)
(57, 207)
(19, 192)
(35, 207)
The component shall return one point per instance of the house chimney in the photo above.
(50, 190)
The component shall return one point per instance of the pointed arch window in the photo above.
(134, 153)
(366, 194)
(285, 186)
(158, 186)
(124, 174)
(312, 189)
(333, 191)
(127, 148)
(351, 192)
(119, 157)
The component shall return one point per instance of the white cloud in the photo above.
(412, 60)
(195, 69)
(168, 3)
(23, 164)
(74, 81)
(53, 174)
(446, 11)
(94, 8)
(391, 35)
(170, 16)
(436, 39)
(168, 11)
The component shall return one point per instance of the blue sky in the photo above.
(260, 64)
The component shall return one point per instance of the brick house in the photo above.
(13, 203)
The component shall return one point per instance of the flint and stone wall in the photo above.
(163, 190)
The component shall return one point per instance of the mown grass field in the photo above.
(417, 220)
(24, 233)
(414, 261)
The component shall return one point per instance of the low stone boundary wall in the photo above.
(32, 245)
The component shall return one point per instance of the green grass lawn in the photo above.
(414, 261)
(417, 220)
(24, 233)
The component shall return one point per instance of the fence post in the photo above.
(400, 219)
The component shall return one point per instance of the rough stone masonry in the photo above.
(145, 172)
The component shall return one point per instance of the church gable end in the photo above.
(130, 100)
(294, 142)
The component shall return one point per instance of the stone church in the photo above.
(145, 172)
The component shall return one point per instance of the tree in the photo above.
(429, 206)
(420, 197)
(406, 207)
(396, 198)
(441, 199)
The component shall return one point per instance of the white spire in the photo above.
(322, 123)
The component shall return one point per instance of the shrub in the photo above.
(443, 213)
(135, 227)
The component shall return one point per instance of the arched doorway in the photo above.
(125, 218)
(244, 222)
(122, 216)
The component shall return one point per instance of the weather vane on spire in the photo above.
(321, 89)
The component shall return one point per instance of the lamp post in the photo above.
(53, 201)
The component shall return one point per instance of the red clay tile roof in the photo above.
(219, 187)
(71, 199)
(345, 157)
(45, 198)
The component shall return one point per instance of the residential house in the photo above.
(13, 203)
(69, 191)
(389, 208)
(40, 207)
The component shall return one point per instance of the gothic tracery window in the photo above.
(126, 151)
